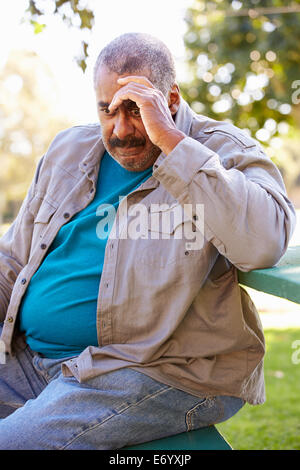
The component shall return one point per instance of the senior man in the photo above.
(122, 329)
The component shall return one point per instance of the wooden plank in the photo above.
(207, 438)
(283, 280)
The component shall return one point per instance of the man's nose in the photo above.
(123, 127)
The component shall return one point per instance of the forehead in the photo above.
(106, 82)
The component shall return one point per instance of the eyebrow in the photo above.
(103, 104)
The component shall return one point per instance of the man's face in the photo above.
(123, 132)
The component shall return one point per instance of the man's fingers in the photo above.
(124, 95)
(135, 78)
(135, 88)
(137, 92)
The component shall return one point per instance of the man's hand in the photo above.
(154, 111)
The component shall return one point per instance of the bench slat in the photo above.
(283, 280)
(207, 438)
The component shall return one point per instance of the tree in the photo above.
(244, 58)
(29, 120)
(71, 12)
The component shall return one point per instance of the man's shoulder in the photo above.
(70, 146)
(219, 133)
(74, 142)
(78, 134)
(213, 133)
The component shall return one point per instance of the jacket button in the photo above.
(10, 319)
(23, 281)
(66, 215)
(43, 246)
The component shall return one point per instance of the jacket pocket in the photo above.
(171, 237)
(42, 211)
(206, 413)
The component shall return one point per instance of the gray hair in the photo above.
(134, 52)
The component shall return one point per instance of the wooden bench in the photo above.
(283, 280)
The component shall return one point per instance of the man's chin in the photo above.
(132, 164)
(135, 159)
(129, 152)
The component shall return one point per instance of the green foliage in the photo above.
(30, 118)
(38, 27)
(275, 424)
(244, 58)
(74, 14)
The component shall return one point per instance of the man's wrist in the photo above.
(170, 140)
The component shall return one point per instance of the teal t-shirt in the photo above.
(58, 311)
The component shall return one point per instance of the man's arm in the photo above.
(15, 248)
(247, 214)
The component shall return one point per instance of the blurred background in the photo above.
(237, 60)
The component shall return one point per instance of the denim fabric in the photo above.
(42, 409)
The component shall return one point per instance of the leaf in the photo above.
(33, 9)
(81, 63)
(38, 27)
(87, 18)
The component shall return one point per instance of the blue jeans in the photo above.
(42, 409)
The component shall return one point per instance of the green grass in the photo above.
(275, 425)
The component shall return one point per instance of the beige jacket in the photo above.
(174, 313)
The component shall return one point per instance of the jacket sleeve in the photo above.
(15, 247)
(247, 214)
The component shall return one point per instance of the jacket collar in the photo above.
(94, 155)
(184, 117)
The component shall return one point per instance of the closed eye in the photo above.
(135, 112)
(107, 111)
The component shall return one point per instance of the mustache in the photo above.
(130, 141)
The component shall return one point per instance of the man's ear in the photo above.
(174, 99)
